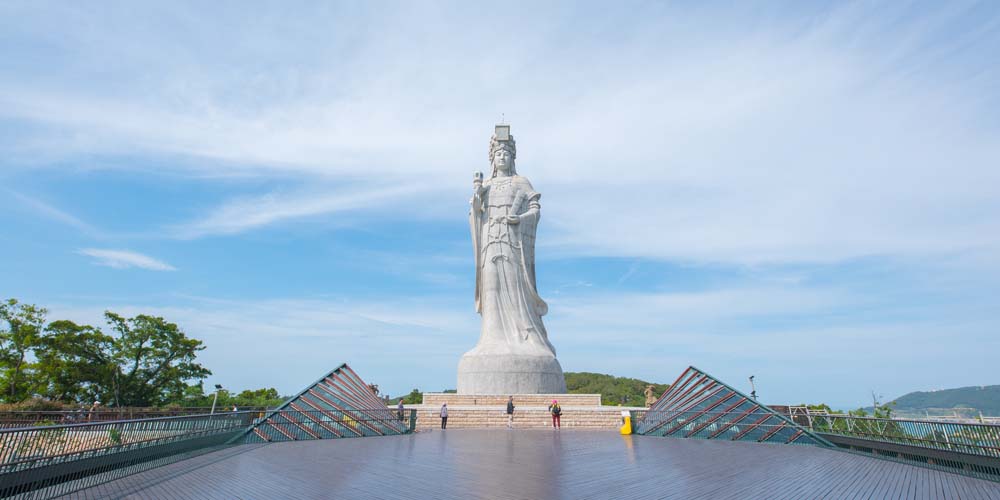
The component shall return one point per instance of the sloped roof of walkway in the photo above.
(697, 405)
(339, 404)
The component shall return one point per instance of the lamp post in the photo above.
(218, 387)
(753, 389)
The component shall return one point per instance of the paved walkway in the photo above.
(501, 464)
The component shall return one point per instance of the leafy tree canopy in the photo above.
(145, 361)
(415, 397)
(195, 395)
(20, 330)
(613, 390)
(151, 359)
(74, 362)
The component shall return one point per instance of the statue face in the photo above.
(503, 160)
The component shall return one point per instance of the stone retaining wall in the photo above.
(525, 400)
(573, 417)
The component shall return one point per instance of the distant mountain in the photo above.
(985, 399)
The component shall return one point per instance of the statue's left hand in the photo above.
(513, 219)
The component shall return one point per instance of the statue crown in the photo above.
(502, 139)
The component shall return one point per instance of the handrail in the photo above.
(981, 439)
(50, 460)
(973, 438)
(18, 418)
(56, 443)
(7, 430)
(295, 423)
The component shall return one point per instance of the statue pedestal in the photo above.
(521, 401)
(509, 374)
(482, 411)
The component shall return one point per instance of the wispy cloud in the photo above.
(797, 339)
(628, 274)
(794, 134)
(42, 209)
(698, 136)
(243, 214)
(124, 259)
(399, 343)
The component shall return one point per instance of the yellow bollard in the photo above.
(626, 427)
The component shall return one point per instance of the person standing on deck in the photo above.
(510, 412)
(399, 409)
(556, 413)
(444, 415)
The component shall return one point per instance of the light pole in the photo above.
(753, 389)
(218, 387)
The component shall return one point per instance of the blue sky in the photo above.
(805, 193)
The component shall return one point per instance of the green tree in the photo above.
(885, 410)
(259, 397)
(74, 362)
(821, 407)
(613, 390)
(151, 360)
(18, 338)
(194, 395)
(860, 412)
(415, 397)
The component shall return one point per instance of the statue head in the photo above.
(502, 155)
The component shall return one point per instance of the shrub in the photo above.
(115, 435)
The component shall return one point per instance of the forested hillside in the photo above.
(613, 390)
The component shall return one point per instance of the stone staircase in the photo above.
(526, 400)
(525, 417)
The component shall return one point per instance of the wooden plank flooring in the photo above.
(502, 464)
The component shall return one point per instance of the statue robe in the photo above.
(506, 295)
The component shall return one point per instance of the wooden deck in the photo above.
(502, 464)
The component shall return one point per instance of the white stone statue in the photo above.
(513, 355)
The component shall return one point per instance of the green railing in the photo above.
(300, 425)
(45, 461)
(28, 418)
(51, 460)
(968, 438)
(974, 439)
(752, 424)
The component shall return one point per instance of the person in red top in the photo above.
(556, 411)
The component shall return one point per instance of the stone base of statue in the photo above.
(483, 373)
(483, 411)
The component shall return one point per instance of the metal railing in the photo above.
(12, 419)
(294, 425)
(46, 461)
(975, 439)
(966, 448)
(754, 425)
(959, 415)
